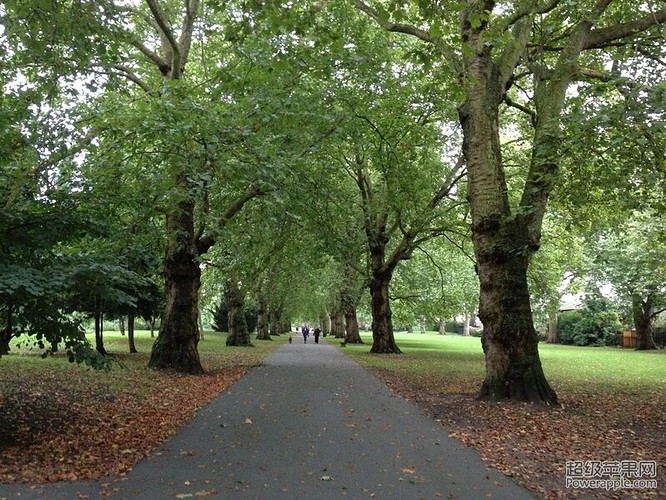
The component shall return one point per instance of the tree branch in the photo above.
(162, 22)
(599, 38)
(191, 11)
(131, 76)
(204, 243)
(406, 29)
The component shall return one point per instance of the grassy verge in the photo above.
(613, 403)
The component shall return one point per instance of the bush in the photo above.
(221, 318)
(586, 327)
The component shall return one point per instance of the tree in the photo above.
(631, 258)
(530, 44)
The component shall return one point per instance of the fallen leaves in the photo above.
(68, 425)
(533, 444)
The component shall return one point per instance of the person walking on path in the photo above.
(317, 332)
(306, 334)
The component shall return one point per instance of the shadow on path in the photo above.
(309, 423)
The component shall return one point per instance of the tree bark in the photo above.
(238, 335)
(176, 345)
(337, 323)
(325, 322)
(263, 332)
(643, 321)
(7, 332)
(502, 244)
(277, 323)
(130, 334)
(383, 341)
(466, 326)
(442, 326)
(348, 305)
(99, 333)
(552, 327)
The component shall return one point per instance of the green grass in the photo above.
(212, 350)
(449, 357)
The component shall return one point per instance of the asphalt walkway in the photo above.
(309, 423)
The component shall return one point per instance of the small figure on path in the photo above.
(306, 334)
(317, 332)
(290, 339)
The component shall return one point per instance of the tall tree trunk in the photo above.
(325, 322)
(383, 341)
(277, 324)
(643, 321)
(441, 327)
(502, 243)
(99, 333)
(235, 300)
(552, 326)
(262, 318)
(130, 334)
(422, 324)
(466, 326)
(8, 331)
(121, 325)
(176, 344)
(337, 323)
(352, 334)
(200, 325)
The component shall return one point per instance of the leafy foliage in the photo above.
(595, 324)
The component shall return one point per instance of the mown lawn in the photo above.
(613, 407)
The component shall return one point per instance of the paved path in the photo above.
(309, 423)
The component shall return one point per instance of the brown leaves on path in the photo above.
(69, 424)
(533, 443)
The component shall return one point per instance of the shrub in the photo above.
(587, 327)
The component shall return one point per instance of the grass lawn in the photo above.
(62, 421)
(613, 407)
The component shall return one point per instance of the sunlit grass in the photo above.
(457, 361)
(213, 352)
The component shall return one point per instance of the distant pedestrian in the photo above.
(306, 334)
(290, 339)
(317, 332)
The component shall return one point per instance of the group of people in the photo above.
(305, 330)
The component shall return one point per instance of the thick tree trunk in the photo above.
(130, 334)
(275, 315)
(337, 323)
(262, 319)
(352, 334)
(442, 326)
(552, 327)
(422, 324)
(383, 341)
(325, 322)
(466, 326)
(348, 305)
(235, 300)
(502, 245)
(642, 313)
(513, 367)
(176, 345)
